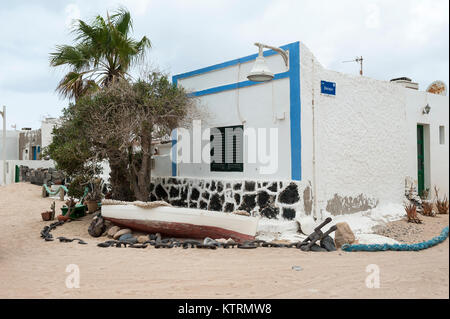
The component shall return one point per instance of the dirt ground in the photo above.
(33, 268)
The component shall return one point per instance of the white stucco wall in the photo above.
(47, 126)
(254, 107)
(366, 135)
(163, 163)
(12, 145)
(361, 135)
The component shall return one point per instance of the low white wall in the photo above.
(11, 168)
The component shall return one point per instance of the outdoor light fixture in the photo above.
(426, 109)
(260, 71)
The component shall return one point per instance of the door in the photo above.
(420, 160)
(17, 175)
(34, 150)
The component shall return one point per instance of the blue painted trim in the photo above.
(174, 153)
(295, 112)
(236, 85)
(295, 104)
(224, 65)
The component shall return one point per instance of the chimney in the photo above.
(406, 82)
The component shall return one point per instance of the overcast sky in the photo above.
(396, 38)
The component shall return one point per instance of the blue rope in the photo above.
(57, 190)
(399, 247)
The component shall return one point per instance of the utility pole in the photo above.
(360, 61)
(4, 143)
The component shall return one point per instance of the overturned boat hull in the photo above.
(182, 222)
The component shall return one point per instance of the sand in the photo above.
(33, 268)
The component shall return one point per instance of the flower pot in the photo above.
(47, 216)
(92, 206)
(63, 218)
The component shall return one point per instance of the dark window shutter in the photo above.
(227, 149)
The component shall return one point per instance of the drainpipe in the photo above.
(315, 214)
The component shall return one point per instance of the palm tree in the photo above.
(103, 52)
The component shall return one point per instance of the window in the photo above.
(227, 149)
(442, 135)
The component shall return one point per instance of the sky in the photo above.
(396, 38)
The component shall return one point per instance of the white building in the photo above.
(12, 142)
(344, 143)
(25, 148)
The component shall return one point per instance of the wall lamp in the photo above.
(260, 71)
(426, 109)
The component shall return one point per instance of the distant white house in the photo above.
(24, 147)
(344, 143)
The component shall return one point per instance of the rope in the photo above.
(399, 247)
(57, 190)
(149, 205)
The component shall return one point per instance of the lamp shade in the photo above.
(260, 71)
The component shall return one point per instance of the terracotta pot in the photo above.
(92, 206)
(46, 216)
(63, 218)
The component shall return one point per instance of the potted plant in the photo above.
(50, 214)
(94, 196)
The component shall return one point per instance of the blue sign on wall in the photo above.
(328, 88)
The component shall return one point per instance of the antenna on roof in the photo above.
(357, 60)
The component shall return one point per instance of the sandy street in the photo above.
(33, 268)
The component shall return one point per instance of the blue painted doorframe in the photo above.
(295, 104)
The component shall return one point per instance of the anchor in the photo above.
(316, 236)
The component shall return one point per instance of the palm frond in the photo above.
(103, 49)
(122, 21)
(74, 86)
(69, 55)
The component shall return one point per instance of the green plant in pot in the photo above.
(94, 196)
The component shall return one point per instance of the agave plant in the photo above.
(428, 209)
(411, 213)
(441, 204)
(103, 51)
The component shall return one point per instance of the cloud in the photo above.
(73, 13)
(373, 16)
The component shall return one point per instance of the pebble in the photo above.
(122, 232)
(209, 241)
(143, 239)
(281, 242)
(128, 238)
(230, 241)
(113, 230)
(297, 268)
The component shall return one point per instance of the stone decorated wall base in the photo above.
(270, 199)
(40, 176)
